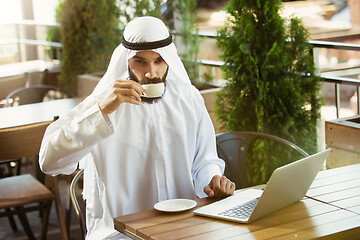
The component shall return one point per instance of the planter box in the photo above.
(87, 82)
(209, 96)
(343, 137)
(11, 83)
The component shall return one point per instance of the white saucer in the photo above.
(175, 205)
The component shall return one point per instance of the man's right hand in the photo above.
(121, 91)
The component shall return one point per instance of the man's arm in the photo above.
(70, 138)
(121, 91)
(67, 140)
(208, 167)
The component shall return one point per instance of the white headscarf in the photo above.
(141, 30)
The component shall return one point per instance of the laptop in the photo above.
(287, 185)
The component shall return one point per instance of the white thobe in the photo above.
(146, 153)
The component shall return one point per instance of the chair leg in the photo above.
(42, 206)
(68, 213)
(9, 170)
(18, 165)
(46, 220)
(2, 173)
(24, 222)
(11, 219)
(52, 184)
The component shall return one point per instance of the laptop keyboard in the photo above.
(241, 211)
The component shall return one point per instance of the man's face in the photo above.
(148, 67)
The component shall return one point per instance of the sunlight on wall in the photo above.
(44, 11)
(9, 11)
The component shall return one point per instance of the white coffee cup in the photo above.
(153, 90)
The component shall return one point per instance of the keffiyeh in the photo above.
(141, 31)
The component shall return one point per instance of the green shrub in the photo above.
(271, 83)
(129, 9)
(53, 34)
(89, 34)
(189, 38)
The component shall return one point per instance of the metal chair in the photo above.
(79, 206)
(8, 84)
(34, 94)
(79, 210)
(233, 147)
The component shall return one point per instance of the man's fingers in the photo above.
(228, 186)
(121, 91)
(208, 191)
(215, 185)
(127, 92)
(224, 184)
(131, 99)
(220, 186)
(129, 84)
(232, 188)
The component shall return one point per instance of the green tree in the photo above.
(271, 84)
(185, 12)
(129, 9)
(53, 33)
(89, 33)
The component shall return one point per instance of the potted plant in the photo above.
(271, 84)
(89, 33)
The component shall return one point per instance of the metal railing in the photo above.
(316, 44)
(216, 64)
(19, 41)
(53, 45)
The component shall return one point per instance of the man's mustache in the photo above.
(151, 80)
(148, 80)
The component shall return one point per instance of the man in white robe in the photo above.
(135, 151)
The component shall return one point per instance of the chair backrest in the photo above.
(78, 203)
(232, 147)
(10, 83)
(22, 141)
(33, 94)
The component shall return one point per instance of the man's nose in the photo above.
(151, 72)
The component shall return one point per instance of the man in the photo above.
(137, 151)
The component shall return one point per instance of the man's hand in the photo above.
(219, 186)
(121, 91)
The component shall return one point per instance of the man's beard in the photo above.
(148, 81)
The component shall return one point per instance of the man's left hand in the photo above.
(219, 186)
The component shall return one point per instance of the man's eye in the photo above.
(159, 60)
(139, 61)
